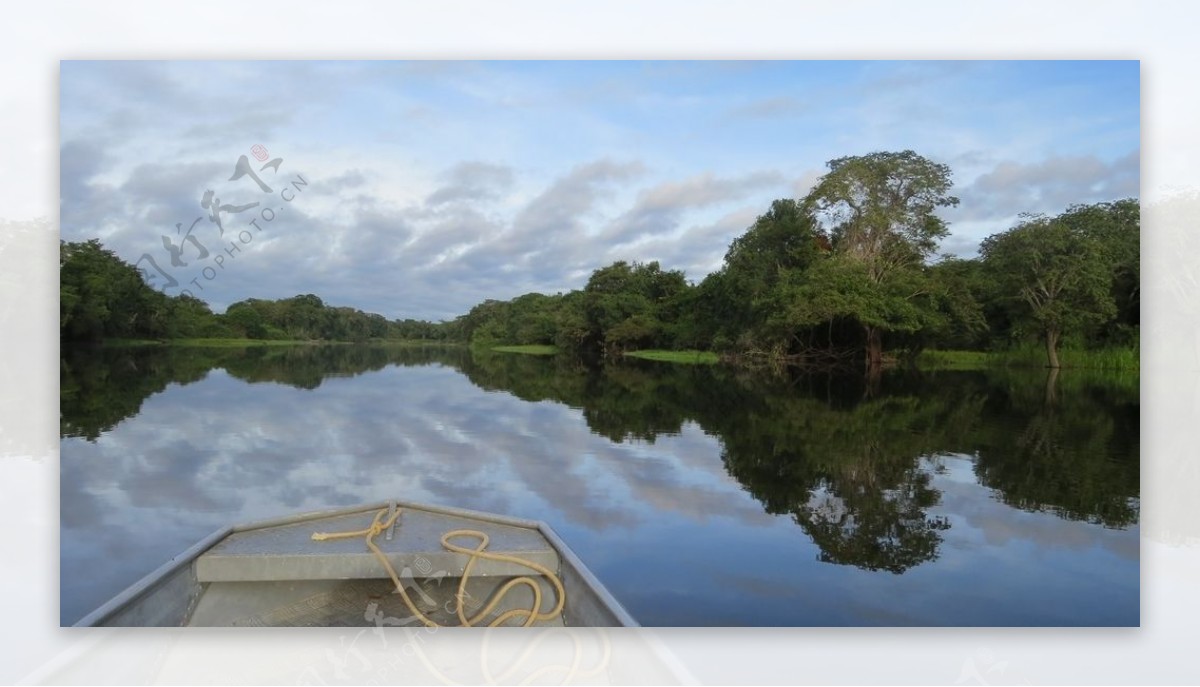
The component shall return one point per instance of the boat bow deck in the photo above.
(273, 573)
(288, 552)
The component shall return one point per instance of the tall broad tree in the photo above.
(880, 211)
(1057, 277)
(1116, 227)
(782, 241)
(102, 296)
(623, 304)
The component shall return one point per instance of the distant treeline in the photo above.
(103, 297)
(847, 273)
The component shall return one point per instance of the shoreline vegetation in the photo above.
(527, 349)
(848, 275)
(1113, 359)
(1123, 359)
(244, 343)
(682, 357)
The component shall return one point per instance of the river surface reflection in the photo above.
(698, 495)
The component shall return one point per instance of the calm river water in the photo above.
(698, 495)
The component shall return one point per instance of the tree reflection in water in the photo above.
(855, 470)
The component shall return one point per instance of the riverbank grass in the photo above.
(1127, 359)
(527, 349)
(685, 357)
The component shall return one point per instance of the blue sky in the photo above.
(436, 185)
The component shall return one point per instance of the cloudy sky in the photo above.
(435, 185)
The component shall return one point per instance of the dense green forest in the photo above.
(848, 273)
(1043, 281)
(103, 297)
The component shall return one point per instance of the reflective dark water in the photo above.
(700, 496)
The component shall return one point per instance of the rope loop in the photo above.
(531, 615)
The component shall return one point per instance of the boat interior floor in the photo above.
(357, 603)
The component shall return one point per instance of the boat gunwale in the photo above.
(590, 580)
(147, 583)
(188, 556)
(362, 508)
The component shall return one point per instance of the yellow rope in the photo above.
(532, 615)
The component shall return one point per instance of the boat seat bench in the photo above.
(288, 552)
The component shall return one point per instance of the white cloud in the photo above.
(659, 209)
(993, 201)
(472, 181)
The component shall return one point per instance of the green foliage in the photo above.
(1057, 277)
(785, 237)
(880, 213)
(624, 305)
(958, 289)
(308, 318)
(1115, 228)
(1031, 356)
(758, 279)
(533, 319)
(103, 297)
(1108, 358)
(1055, 274)
(410, 330)
(246, 320)
(879, 209)
(841, 287)
(846, 269)
(191, 318)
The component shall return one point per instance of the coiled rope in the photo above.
(532, 614)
